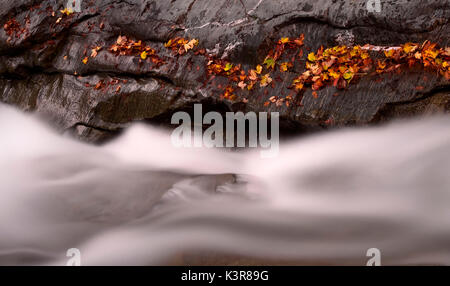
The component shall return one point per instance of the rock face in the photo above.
(41, 64)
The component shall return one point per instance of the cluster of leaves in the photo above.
(427, 55)
(283, 44)
(180, 45)
(125, 46)
(12, 27)
(220, 67)
(15, 30)
(261, 74)
(336, 66)
(104, 86)
(238, 76)
(340, 65)
(279, 101)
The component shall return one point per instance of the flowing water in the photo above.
(326, 198)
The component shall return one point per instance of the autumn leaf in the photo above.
(409, 47)
(327, 64)
(228, 67)
(431, 53)
(265, 80)
(299, 41)
(85, 60)
(285, 66)
(94, 51)
(99, 84)
(144, 55)
(168, 44)
(259, 69)
(389, 53)
(242, 84)
(446, 52)
(381, 65)
(283, 41)
(298, 86)
(229, 93)
(66, 11)
(311, 57)
(190, 45)
(348, 75)
(365, 55)
(269, 62)
(120, 40)
(252, 75)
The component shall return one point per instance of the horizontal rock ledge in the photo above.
(41, 69)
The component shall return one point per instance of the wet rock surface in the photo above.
(41, 68)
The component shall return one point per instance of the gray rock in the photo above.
(43, 71)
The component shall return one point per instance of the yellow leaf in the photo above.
(409, 47)
(144, 55)
(298, 84)
(431, 53)
(258, 69)
(265, 80)
(364, 55)
(168, 44)
(389, 53)
(348, 75)
(228, 67)
(66, 11)
(85, 60)
(334, 74)
(284, 40)
(285, 66)
(311, 57)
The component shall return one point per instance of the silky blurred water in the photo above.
(139, 201)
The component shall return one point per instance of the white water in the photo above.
(325, 199)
